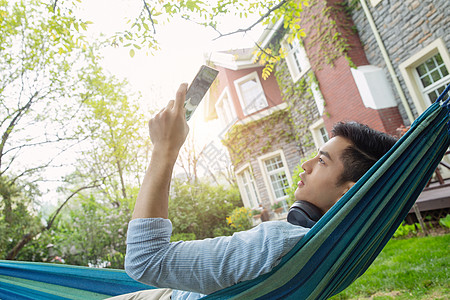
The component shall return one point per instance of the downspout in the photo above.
(387, 60)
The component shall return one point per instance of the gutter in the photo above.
(387, 60)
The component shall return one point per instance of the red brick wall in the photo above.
(342, 98)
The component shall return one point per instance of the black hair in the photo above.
(368, 145)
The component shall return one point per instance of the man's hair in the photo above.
(368, 145)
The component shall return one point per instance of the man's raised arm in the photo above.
(168, 131)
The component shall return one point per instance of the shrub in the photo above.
(404, 230)
(240, 219)
(445, 222)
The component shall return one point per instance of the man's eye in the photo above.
(321, 161)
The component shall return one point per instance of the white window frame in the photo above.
(318, 98)
(296, 74)
(239, 82)
(317, 135)
(226, 99)
(375, 2)
(409, 73)
(267, 182)
(247, 202)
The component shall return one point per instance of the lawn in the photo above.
(414, 268)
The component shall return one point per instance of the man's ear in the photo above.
(347, 186)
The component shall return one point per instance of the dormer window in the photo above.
(296, 58)
(251, 94)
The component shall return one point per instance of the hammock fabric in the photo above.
(336, 251)
(31, 280)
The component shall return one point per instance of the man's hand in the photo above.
(168, 131)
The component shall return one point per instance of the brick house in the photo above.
(383, 74)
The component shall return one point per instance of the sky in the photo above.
(183, 46)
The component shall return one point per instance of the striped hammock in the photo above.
(336, 251)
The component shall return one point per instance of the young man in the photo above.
(194, 268)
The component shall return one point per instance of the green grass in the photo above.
(414, 268)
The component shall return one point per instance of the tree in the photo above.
(51, 80)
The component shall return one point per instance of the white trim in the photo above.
(247, 202)
(375, 2)
(293, 68)
(230, 104)
(315, 131)
(267, 181)
(408, 71)
(318, 97)
(237, 85)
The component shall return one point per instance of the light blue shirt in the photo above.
(204, 266)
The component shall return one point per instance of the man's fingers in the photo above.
(181, 96)
(170, 104)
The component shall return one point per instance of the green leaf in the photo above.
(132, 52)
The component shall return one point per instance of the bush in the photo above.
(445, 222)
(404, 230)
(240, 219)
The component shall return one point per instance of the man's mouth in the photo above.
(300, 183)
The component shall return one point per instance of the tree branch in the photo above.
(150, 16)
(244, 30)
(29, 236)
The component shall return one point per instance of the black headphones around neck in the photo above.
(304, 214)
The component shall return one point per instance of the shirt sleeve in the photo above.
(205, 266)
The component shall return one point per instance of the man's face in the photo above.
(321, 174)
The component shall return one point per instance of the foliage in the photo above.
(290, 191)
(277, 205)
(241, 145)
(415, 268)
(445, 222)
(240, 219)
(405, 230)
(18, 216)
(202, 208)
(183, 237)
(90, 234)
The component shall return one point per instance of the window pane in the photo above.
(432, 96)
(279, 183)
(436, 75)
(444, 71)
(431, 64)
(421, 70)
(426, 81)
(324, 134)
(439, 59)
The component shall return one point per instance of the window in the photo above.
(250, 93)
(247, 187)
(318, 98)
(276, 175)
(433, 75)
(225, 109)
(319, 133)
(426, 73)
(324, 134)
(296, 59)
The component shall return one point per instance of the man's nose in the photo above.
(307, 166)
